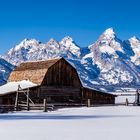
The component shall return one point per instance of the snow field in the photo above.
(95, 123)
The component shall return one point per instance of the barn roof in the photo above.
(37, 65)
(33, 71)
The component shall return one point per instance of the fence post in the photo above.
(45, 105)
(88, 103)
(16, 101)
(28, 107)
(126, 102)
(138, 95)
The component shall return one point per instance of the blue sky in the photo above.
(83, 20)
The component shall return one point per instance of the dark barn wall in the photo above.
(62, 74)
(8, 99)
(61, 83)
(60, 94)
(97, 97)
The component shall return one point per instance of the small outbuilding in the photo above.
(55, 80)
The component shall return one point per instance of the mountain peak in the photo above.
(135, 42)
(68, 43)
(52, 42)
(67, 39)
(135, 45)
(25, 43)
(109, 33)
(25, 39)
(134, 38)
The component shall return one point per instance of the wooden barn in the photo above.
(57, 81)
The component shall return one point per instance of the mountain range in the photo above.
(108, 64)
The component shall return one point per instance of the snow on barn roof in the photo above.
(13, 86)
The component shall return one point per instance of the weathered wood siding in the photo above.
(62, 74)
(97, 97)
(8, 99)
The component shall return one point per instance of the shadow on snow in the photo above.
(59, 117)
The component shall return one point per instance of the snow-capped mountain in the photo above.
(107, 64)
(135, 44)
(68, 44)
(105, 50)
(116, 60)
(5, 69)
(31, 50)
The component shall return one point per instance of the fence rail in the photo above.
(43, 107)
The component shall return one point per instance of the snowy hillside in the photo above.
(5, 69)
(106, 65)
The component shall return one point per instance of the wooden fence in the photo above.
(20, 107)
(44, 107)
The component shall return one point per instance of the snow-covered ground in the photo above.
(122, 99)
(130, 95)
(95, 123)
